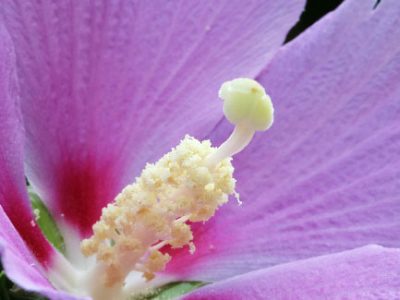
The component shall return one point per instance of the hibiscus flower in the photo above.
(92, 91)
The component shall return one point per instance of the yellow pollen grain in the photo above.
(155, 210)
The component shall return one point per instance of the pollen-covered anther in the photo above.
(181, 235)
(154, 263)
(155, 211)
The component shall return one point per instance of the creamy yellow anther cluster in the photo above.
(155, 210)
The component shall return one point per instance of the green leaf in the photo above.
(170, 291)
(3, 286)
(47, 223)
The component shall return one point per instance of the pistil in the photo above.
(186, 185)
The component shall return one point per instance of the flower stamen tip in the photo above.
(247, 103)
(249, 108)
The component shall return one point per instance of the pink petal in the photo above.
(20, 265)
(20, 237)
(326, 177)
(13, 196)
(371, 272)
(110, 85)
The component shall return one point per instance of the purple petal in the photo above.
(371, 272)
(110, 85)
(20, 265)
(326, 177)
(13, 195)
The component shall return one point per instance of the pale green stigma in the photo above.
(246, 105)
